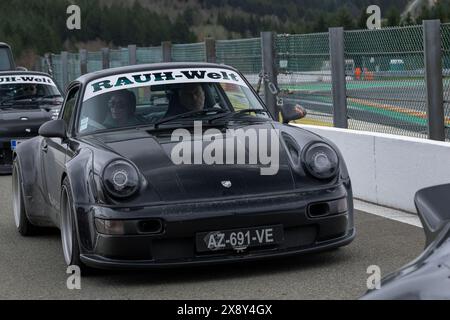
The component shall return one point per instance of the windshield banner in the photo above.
(26, 79)
(161, 77)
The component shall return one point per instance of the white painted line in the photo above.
(388, 213)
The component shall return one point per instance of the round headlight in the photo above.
(321, 160)
(121, 179)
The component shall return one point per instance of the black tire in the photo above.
(69, 236)
(23, 224)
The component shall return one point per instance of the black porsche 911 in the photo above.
(137, 172)
(27, 100)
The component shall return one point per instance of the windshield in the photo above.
(139, 104)
(16, 88)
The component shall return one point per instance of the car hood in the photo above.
(151, 153)
(22, 122)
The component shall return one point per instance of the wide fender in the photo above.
(79, 171)
(28, 157)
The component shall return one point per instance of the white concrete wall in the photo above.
(387, 169)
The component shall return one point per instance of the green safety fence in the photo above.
(119, 58)
(94, 61)
(386, 89)
(303, 63)
(244, 55)
(192, 52)
(385, 73)
(445, 32)
(74, 66)
(149, 55)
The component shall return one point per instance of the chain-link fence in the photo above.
(119, 58)
(386, 89)
(245, 55)
(305, 74)
(193, 52)
(73, 67)
(445, 33)
(384, 72)
(94, 61)
(149, 55)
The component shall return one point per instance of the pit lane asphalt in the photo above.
(33, 268)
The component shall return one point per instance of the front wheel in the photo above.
(23, 225)
(69, 238)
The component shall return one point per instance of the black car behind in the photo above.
(27, 100)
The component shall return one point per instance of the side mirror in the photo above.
(291, 112)
(432, 205)
(53, 129)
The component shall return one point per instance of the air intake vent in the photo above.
(319, 210)
(329, 208)
(150, 226)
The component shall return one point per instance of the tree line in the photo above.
(34, 27)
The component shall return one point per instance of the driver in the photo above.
(191, 97)
(29, 90)
(122, 108)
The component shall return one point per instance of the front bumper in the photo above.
(100, 262)
(176, 244)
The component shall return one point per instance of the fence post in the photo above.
(132, 54)
(433, 74)
(64, 69)
(105, 58)
(166, 47)
(49, 63)
(338, 80)
(270, 72)
(38, 64)
(83, 61)
(210, 50)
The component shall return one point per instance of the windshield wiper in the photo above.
(48, 96)
(188, 115)
(237, 113)
(16, 99)
(35, 99)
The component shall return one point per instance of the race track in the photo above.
(33, 268)
(390, 106)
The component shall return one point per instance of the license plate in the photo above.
(15, 143)
(239, 239)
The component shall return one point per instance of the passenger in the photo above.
(122, 108)
(29, 90)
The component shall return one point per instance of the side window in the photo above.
(69, 105)
(237, 97)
